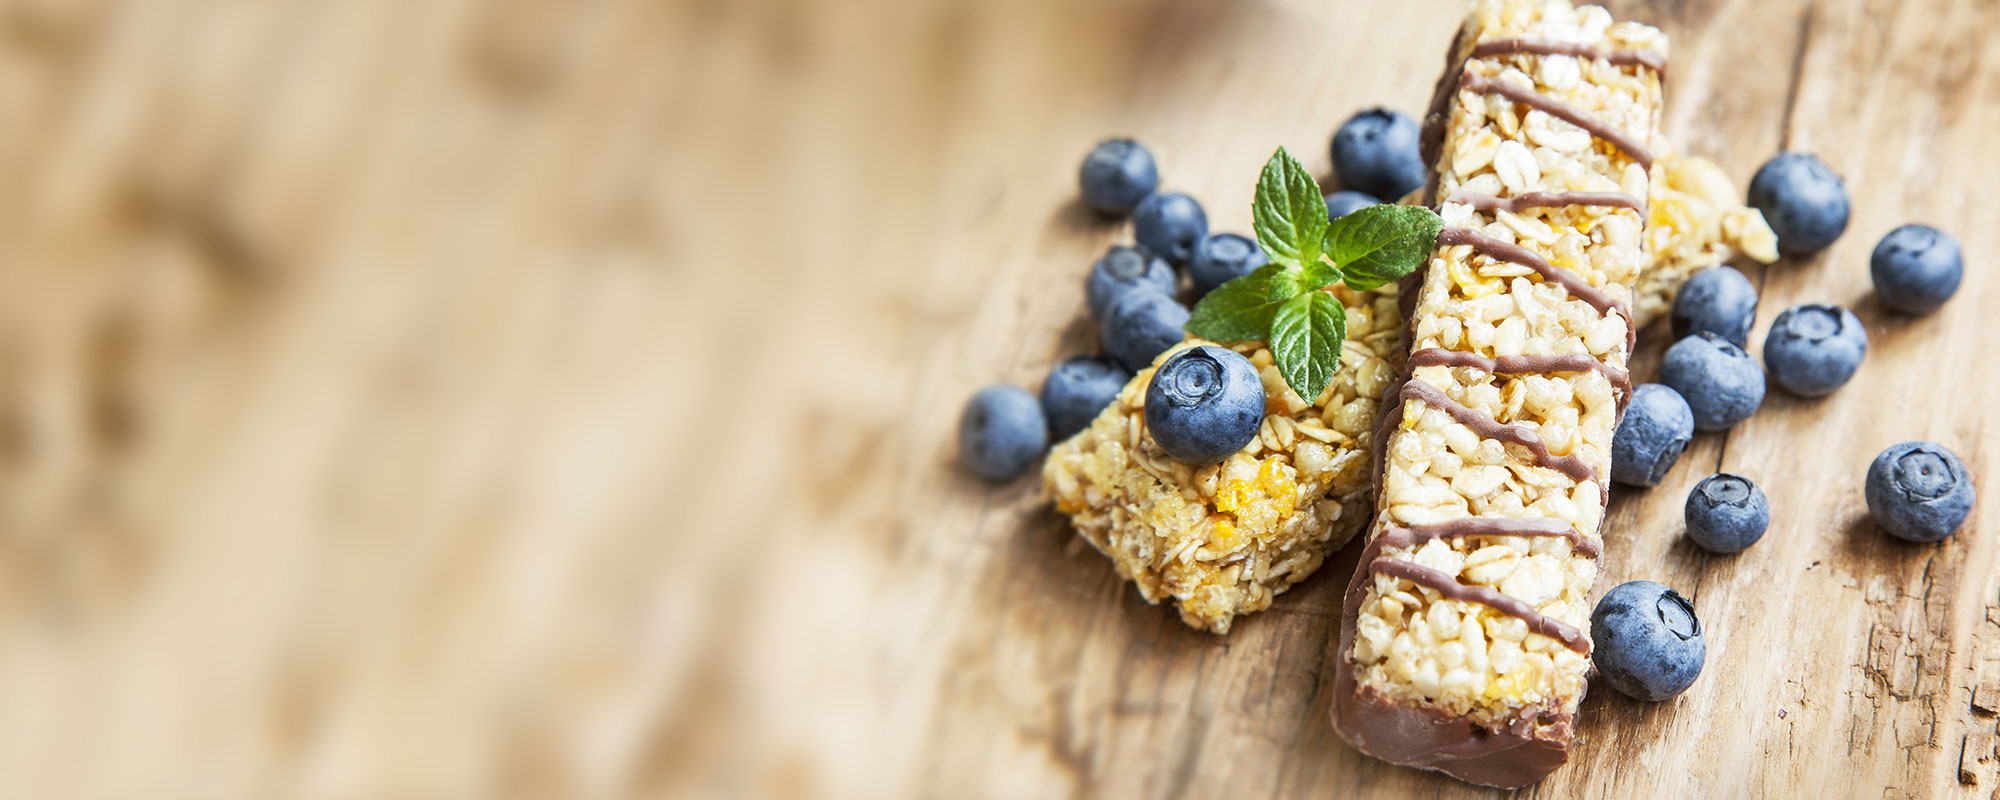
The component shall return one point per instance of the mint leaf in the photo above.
(1289, 211)
(1241, 309)
(1379, 244)
(1306, 335)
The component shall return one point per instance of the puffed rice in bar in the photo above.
(1464, 640)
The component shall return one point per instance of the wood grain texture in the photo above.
(487, 398)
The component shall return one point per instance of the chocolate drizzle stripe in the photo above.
(1492, 598)
(1560, 110)
(1650, 59)
(1488, 203)
(1522, 365)
(1417, 535)
(1488, 427)
(1516, 254)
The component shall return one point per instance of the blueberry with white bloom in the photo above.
(1170, 224)
(1001, 432)
(1814, 348)
(1726, 513)
(1116, 175)
(1078, 389)
(1348, 201)
(1141, 325)
(1722, 384)
(1916, 268)
(1204, 403)
(1222, 257)
(1656, 428)
(1919, 491)
(1125, 269)
(1719, 300)
(1646, 641)
(1803, 200)
(1376, 152)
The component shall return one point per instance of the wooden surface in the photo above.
(555, 399)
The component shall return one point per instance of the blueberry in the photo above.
(1919, 491)
(1171, 225)
(1803, 200)
(1916, 268)
(1348, 201)
(1726, 513)
(1077, 389)
(1646, 641)
(1813, 349)
(1222, 257)
(1141, 325)
(1001, 432)
(1375, 152)
(1721, 384)
(1204, 403)
(1719, 300)
(1116, 175)
(1656, 428)
(1121, 270)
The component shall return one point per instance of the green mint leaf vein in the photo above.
(1306, 336)
(1319, 275)
(1241, 309)
(1379, 244)
(1289, 212)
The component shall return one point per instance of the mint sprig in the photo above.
(1282, 302)
(1287, 227)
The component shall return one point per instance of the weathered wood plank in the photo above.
(346, 351)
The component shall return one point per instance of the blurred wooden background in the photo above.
(554, 398)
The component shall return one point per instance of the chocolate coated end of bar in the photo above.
(1511, 757)
(1429, 739)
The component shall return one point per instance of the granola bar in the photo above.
(1464, 638)
(1221, 540)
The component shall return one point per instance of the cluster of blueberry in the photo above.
(1711, 383)
(1648, 641)
(1198, 405)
